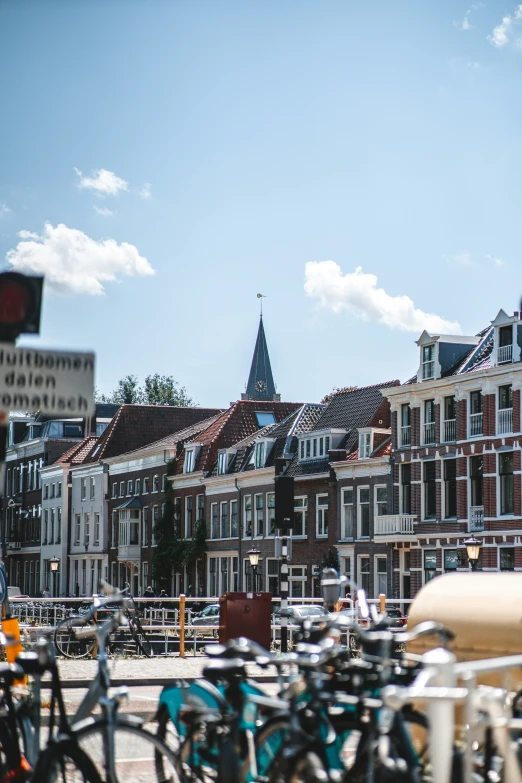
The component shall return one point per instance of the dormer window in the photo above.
(222, 463)
(317, 445)
(259, 459)
(428, 362)
(505, 345)
(365, 445)
(190, 460)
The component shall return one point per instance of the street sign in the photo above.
(52, 382)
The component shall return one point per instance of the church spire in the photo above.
(260, 384)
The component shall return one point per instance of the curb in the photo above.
(136, 682)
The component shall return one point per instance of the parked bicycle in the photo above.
(72, 642)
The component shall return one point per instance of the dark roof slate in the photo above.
(357, 408)
(233, 426)
(135, 426)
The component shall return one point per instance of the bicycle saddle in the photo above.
(224, 669)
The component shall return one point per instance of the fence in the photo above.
(168, 621)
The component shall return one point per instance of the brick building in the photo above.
(456, 432)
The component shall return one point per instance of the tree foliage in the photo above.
(330, 560)
(156, 390)
(173, 552)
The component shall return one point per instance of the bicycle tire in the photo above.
(136, 751)
(140, 637)
(66, 642)
(65, 762)
(168, 733)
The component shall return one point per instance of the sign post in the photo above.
(284, 517)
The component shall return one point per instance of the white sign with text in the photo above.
(53, 382)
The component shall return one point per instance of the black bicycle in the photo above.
(71, 641)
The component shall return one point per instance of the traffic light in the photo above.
(20, 305)
(284, 502)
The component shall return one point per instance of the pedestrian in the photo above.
(149, 593)
(164, 594)
(46, 593)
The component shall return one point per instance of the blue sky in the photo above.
(253, 138)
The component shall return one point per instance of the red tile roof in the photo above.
(235, 424)
(135, 426)
(77, 453)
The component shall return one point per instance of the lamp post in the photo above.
(253, 556)
(54, 563)
(473, 547)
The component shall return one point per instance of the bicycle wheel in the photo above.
(136, 751)
(65, 762)
(66, 641)
(140, 637)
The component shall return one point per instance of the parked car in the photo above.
(209, 616)
(399, 620)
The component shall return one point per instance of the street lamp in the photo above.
(253, 556)
(473, 547)
(54, 563)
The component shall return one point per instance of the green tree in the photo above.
(170, 550)
(157, 390)
(163, 390)
(330, 560)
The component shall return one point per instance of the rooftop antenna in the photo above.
(261, 297)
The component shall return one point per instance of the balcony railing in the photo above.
(475, 424)
(450, 430)
(429, 432)
(406, 435)
(505, 421)
(129, 552)
(394, 524)
(504, 354)
(476, 518)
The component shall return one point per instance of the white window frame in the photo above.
(268, 509)
(376, 574)
(93, 488)
(247, 498)
(257, 534)
(190, 460)
(259, 454)
(297, 577)
(425, 364)
(83, 485)
(189, 531)
(77, 529)
(359, 515)
(360, 559)
(222, 463)
(130, 488)
(122, 489)
(320, 516)
(212, 507)
(376, 502)
(365, 444)
(224, 505)
(301, 511)
(344, 507)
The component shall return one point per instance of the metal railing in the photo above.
(475, 424)
(504, 354)
(406, 435)
(450, 430)
(476, 518)
(394, 524)
(429, 432)
(505, 421)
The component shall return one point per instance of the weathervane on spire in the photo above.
(261, 297)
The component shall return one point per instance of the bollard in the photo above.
(182, 626)
(382, 603)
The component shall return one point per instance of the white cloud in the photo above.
(102, 182)
(495, 260)
(145, 191)
(463, 258)
(105, 211)
(357, 292)
(72, 262)
(4, 209)
(465, 23)
(500, 35)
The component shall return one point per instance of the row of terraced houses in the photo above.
(392, 476)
